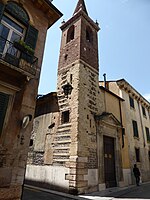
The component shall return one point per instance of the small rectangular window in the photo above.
(131, 102)
(71, 78)
(135, 129)
(147, 134)
(137, 154)
(149, 155)
(65, 117)
(143, 110)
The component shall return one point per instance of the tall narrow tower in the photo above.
(78, 71)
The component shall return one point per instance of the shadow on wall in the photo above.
(46, 104)
(46, 185)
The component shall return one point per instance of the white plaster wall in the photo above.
(41, 124)
(48, 174)
(127, 177)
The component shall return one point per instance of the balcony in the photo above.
(17, 57)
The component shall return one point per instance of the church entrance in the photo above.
(109, 162)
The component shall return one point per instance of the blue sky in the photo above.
(124, 42)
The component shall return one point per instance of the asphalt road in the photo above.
(33, 194)
(141, 192)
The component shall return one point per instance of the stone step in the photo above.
(62, 142)
(61, 154)
(60, 160)
(65, 135)
(62, 126)
(63, 131)
(61, 148)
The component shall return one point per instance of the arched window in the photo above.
(70, 34)
(15, 28)
(17, 12)
(89, 34)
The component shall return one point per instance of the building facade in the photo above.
(23, 28)
(74, 145)
(137, 119)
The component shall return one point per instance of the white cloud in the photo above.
(147, 96)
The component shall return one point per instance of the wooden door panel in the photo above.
(109, 162)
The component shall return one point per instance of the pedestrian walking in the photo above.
(137, 174)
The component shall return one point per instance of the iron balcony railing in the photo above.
(12, 53)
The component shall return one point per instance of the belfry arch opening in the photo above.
(89, 34)
(70, 34)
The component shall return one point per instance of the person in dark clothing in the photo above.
(137, 174)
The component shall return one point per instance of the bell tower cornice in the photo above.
(77, 16)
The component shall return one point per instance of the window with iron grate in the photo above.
(135, 129)
(65, 117)
(137, 154)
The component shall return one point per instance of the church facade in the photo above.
(78, 143)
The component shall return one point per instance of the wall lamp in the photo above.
(25, 121)
(67, 89)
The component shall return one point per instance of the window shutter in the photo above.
(131, 102)
(2, 6)
(147, 134)
(135, 129)
(30, 40)
(4, 98)
(31, 37)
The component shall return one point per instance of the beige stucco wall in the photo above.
(142, 122)
(14, 141)
(136, 114)
(113, 106)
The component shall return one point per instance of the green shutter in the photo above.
(31, 37)
(30, 40)
(2, 6)
(147, 134)
(4, 98)
(135, 129)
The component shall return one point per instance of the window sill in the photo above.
(136, 138)
(131, 108)
(145, 116)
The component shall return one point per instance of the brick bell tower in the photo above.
(79, 69)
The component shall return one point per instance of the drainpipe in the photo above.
(123, 130)
(105, 92)
(141, 122)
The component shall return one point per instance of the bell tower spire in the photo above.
(80, 6)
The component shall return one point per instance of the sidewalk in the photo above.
(107, 194)
(112, 193)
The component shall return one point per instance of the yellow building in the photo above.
(136, 112)
(23, 28)
(115, 105)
